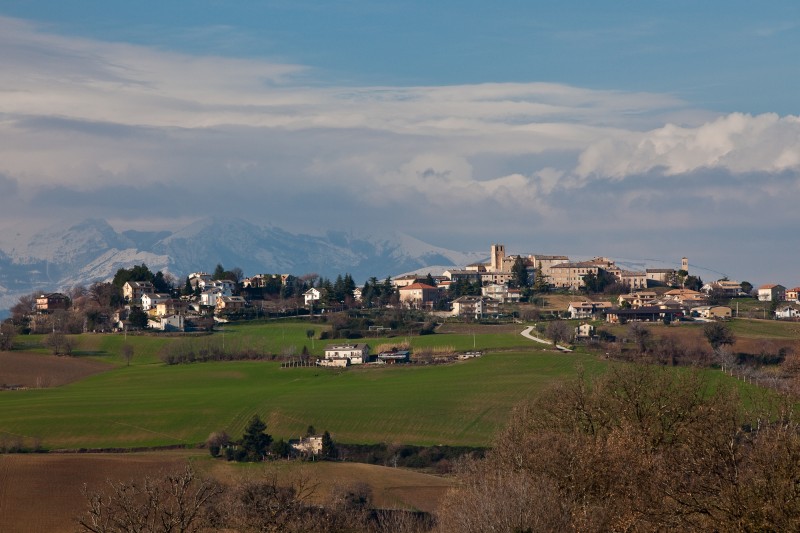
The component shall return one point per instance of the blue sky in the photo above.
(635, 129)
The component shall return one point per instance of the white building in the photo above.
(354, 353)
(311, 295)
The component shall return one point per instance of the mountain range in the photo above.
(66, 255)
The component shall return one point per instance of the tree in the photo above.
(280, 448)
(176, 502)
(539, 280)
(127, 353)
(255, 440)
(558, 331)
(7, 334)
(519, 274)
(640, 448)
(746, 287)
(137, 318)
(329, 450)
(219, 272)
(58, 343)
(640, 335)
(718, 335)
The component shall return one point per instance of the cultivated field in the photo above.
(42, 492)
(34, 370)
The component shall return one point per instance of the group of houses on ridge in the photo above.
(495, 279)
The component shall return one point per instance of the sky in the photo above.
(641, 130)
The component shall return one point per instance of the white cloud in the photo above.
(264, 139)
(736, 142)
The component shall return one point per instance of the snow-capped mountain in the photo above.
(63, 256)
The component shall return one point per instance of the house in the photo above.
(172, 307)
(53, 301)
(793, 295)
(686, 297)
(352, 353)
(712, 311)
(771, 293)
(209, 298)
(418, 295)
(357, 294)
(196, 278)
(151, 300)
(311, 295)
(587, 309)
(638, 299)
(642, 314)
(474, 306)
(404, 281)
(570, 275)
(310, 445)
(225, 287)
(723, 287)
(633, 279)
(463, 275)
(658, 277)
(230, 304)
(584, 331)
(787, 312)
(168, 323)
(132, 291)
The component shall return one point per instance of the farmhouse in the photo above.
(133, 290)
(474, 306)
(418, 295)
(354, 354)
(310, 445)
(47, 303)
(311, 295)
(712, 311)
(638, 299)
(587, 309)
(771, 293)
(787, 312)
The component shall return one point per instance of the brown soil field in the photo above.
(392, 488)
(42, 492)
(38, 371)
(468, 329)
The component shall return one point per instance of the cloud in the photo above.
(736, 142)
(137, 133)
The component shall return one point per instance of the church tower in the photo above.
(685, 264)
(497, 256)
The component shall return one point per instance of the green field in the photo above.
(151, 405)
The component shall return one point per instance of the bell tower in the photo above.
(497, 256)
(685, 264)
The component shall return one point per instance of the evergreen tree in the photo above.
(219, 273)
(519, 274)
(187, 288)
(329, 450)
(255, 440)
(429, 280)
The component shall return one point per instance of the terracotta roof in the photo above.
(417, 286)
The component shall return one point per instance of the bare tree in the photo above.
(175, 502)
(127, 353)
(558, 331)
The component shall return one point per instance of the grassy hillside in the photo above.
(149, 405)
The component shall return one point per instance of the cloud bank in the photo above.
(138, 134)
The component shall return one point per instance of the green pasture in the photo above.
(150, 405)
(765, 329)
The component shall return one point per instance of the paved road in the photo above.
(527, 334)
